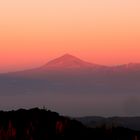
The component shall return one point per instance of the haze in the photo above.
(35, 31)
(106, 32)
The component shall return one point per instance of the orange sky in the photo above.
(101, 31)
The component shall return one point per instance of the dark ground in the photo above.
(42, 124)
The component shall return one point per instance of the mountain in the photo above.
(68, 61)
(130, 67)
(66, 64)
(72, 64)
(126, 122)
(68, 84)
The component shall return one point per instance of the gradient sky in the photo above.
(33, 32)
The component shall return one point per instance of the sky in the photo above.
(32, 32)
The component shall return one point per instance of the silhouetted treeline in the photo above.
(40, 124)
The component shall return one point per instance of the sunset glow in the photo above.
(32, 32)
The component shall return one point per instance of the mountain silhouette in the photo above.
(68, 61)
(64, 64)
(69, 83)
(42, 124)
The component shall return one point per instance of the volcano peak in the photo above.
(67, 61)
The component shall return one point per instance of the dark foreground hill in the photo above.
(40, 124)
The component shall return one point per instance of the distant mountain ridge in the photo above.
(126, 122)
(69, 62)
(68, 83)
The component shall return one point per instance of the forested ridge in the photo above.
(42, 124)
